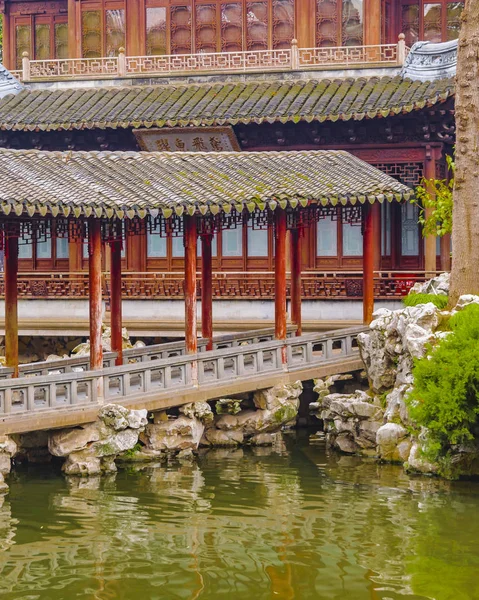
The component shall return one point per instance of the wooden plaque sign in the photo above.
(188, 139)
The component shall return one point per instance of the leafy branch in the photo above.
(434, 199)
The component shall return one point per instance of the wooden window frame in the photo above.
(102, 6)
(339, 26)
(420, 4)
(270, 42)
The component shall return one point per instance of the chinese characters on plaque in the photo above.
(191, 139)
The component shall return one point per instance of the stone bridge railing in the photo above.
(154, 352)
(142, 380)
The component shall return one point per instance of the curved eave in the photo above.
(182, 123)
(102, 210)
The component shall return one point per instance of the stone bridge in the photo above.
(65, 393)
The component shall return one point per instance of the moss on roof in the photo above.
(106, 184)
(219, 103)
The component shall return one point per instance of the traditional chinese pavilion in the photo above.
(241, 77)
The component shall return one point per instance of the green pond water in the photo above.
(292, 522)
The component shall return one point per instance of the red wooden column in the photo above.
(94, 265)
(115, 300)
(432, 155)
(11, 303)
(207, 289)
(280, 275)
(190, 239)
(296, 278)
(369, 253)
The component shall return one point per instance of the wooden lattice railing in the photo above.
(284, 59)
(226, 285)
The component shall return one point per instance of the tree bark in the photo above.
(465, 219)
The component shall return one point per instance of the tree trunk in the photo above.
(465, 220)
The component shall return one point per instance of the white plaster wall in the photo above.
(170, 311)
(60, 308)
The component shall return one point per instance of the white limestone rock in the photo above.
(222, 438)
(393, 443)
(262, 439)
(417, 463)
(115, 444)
(394, 339)
(3, 485)
(173, 435)
(465, 300)
(230, 406)
(396, 409)
(278, 396)
(86, 464)
(198, 410)
(118, 417)
(67, 441)
(8, 449)
(437, 285)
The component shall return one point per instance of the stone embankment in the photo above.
(122, 436)
(376, 422)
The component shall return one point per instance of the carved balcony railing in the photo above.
(286, 59)
(346, 56)
(334, 285)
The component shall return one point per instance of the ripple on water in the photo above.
(297, 524)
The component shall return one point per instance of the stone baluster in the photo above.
(401, 49)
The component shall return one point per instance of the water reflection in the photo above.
(289, 522)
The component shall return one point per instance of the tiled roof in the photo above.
(140, 183)
(219, 103)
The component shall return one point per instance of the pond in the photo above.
(289, 522)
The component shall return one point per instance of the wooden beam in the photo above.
(372, 22)
(115, 301)
(207, 289)
(305, 23)
(280, 274)
(11, 303)
(296, 279)
(134, 38)
(95, 299)
(7, 50)
(74, 30)
(369, 242)
(190, 240)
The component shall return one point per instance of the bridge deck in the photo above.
(157, 380)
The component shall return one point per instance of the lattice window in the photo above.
(283, 23)
(437, 21)
(23, 42)
(407, 173)
(180, 29)
(61, 40)
(232, 26)
(339, 23)
(103, 29)
(156, 39)
(205, 27)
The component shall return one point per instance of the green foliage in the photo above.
(445, 398)
(414, 299)
(132, 451)
(439, 203)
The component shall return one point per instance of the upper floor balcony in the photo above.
(293, 59)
